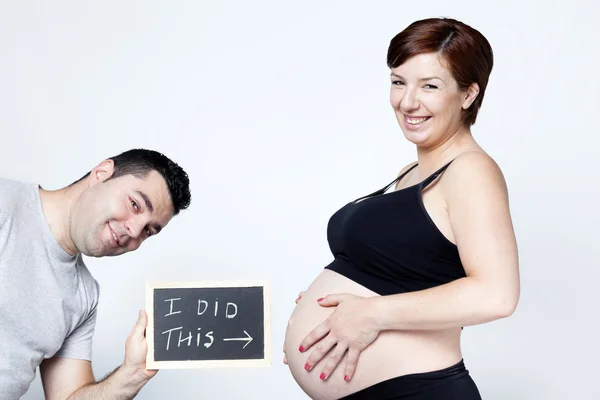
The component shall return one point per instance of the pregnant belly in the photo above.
(392, 354)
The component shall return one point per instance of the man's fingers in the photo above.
(142, 320)
(139, 329)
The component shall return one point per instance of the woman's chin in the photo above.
(419, 139)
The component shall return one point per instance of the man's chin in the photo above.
(95, 254)
(104, 252)
(100, 249)
(113, 253)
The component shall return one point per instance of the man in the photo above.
(48, 298)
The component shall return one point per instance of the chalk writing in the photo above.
(203, 305)
(209, 335)
(171, 307)
(247, 339)
(231, 311)
(208, 323)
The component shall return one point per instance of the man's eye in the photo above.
(397, 83)
(430, 87)
(148, 232)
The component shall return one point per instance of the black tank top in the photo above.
(388, 243)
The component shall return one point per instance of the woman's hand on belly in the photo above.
(350, 328)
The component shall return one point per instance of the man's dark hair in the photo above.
(139, 162)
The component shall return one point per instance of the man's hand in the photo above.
(73, 379)
(136, 348)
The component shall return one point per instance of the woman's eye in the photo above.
(430, 87)
(148, 232)
(134, 205)
(397, 83)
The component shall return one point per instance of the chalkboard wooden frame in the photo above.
(152, 364)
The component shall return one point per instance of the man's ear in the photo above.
(102, 172)
(470, 96)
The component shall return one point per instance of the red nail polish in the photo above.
(307, 367)
(301, 348)
(322, 376)
(346, 378)
(319, 300)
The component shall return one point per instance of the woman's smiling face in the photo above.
(427, 100)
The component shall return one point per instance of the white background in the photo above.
(279, 112)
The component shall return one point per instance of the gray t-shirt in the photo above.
(48, 298)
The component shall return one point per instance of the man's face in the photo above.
(114, 216)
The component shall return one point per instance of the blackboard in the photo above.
(208, 324)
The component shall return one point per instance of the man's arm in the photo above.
(72, 379)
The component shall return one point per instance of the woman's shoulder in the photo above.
(407, 168)
(474, 169)
(404, 171)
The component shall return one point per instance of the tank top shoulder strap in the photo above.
(399, 178)
(433, 176)
(385, 188)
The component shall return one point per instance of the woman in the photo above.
(414, 266)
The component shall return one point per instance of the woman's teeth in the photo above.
(416, 121)
(115, 237)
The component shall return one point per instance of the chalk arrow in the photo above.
(247, 339)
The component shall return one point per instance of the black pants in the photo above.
(452, 383)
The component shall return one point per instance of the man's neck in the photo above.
(57, 205)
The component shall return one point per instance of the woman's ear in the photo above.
(470, 95)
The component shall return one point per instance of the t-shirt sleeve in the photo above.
(79, 343)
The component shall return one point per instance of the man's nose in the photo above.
(135, 227)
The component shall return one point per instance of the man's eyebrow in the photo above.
(146, 201)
